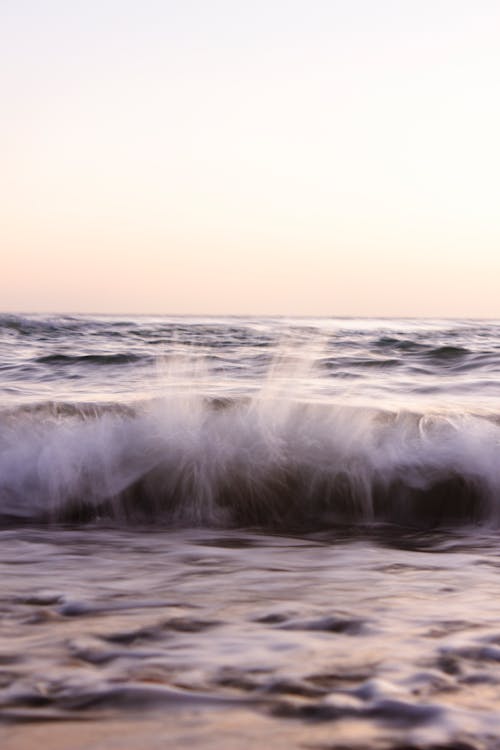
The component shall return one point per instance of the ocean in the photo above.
(249, 532)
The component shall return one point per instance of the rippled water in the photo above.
(452, 363)
(249, 532)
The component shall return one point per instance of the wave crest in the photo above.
(268, 462)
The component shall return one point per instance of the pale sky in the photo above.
(328, 157)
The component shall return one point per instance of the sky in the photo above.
(328, 157)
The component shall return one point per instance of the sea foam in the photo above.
(270, 461)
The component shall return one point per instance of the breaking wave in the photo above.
(264, 462)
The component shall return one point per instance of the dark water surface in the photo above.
(249, 532)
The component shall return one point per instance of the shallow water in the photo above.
(244, 533)
(373, 641)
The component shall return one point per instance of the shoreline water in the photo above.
(322, 641)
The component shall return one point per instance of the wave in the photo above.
(28, 325)
(264, 462)
(92, 359)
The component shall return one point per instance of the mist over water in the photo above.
(312, 507)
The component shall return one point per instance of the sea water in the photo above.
(242, 532)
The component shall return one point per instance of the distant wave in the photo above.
(92, 359)
(262, 462)
(35, 324)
